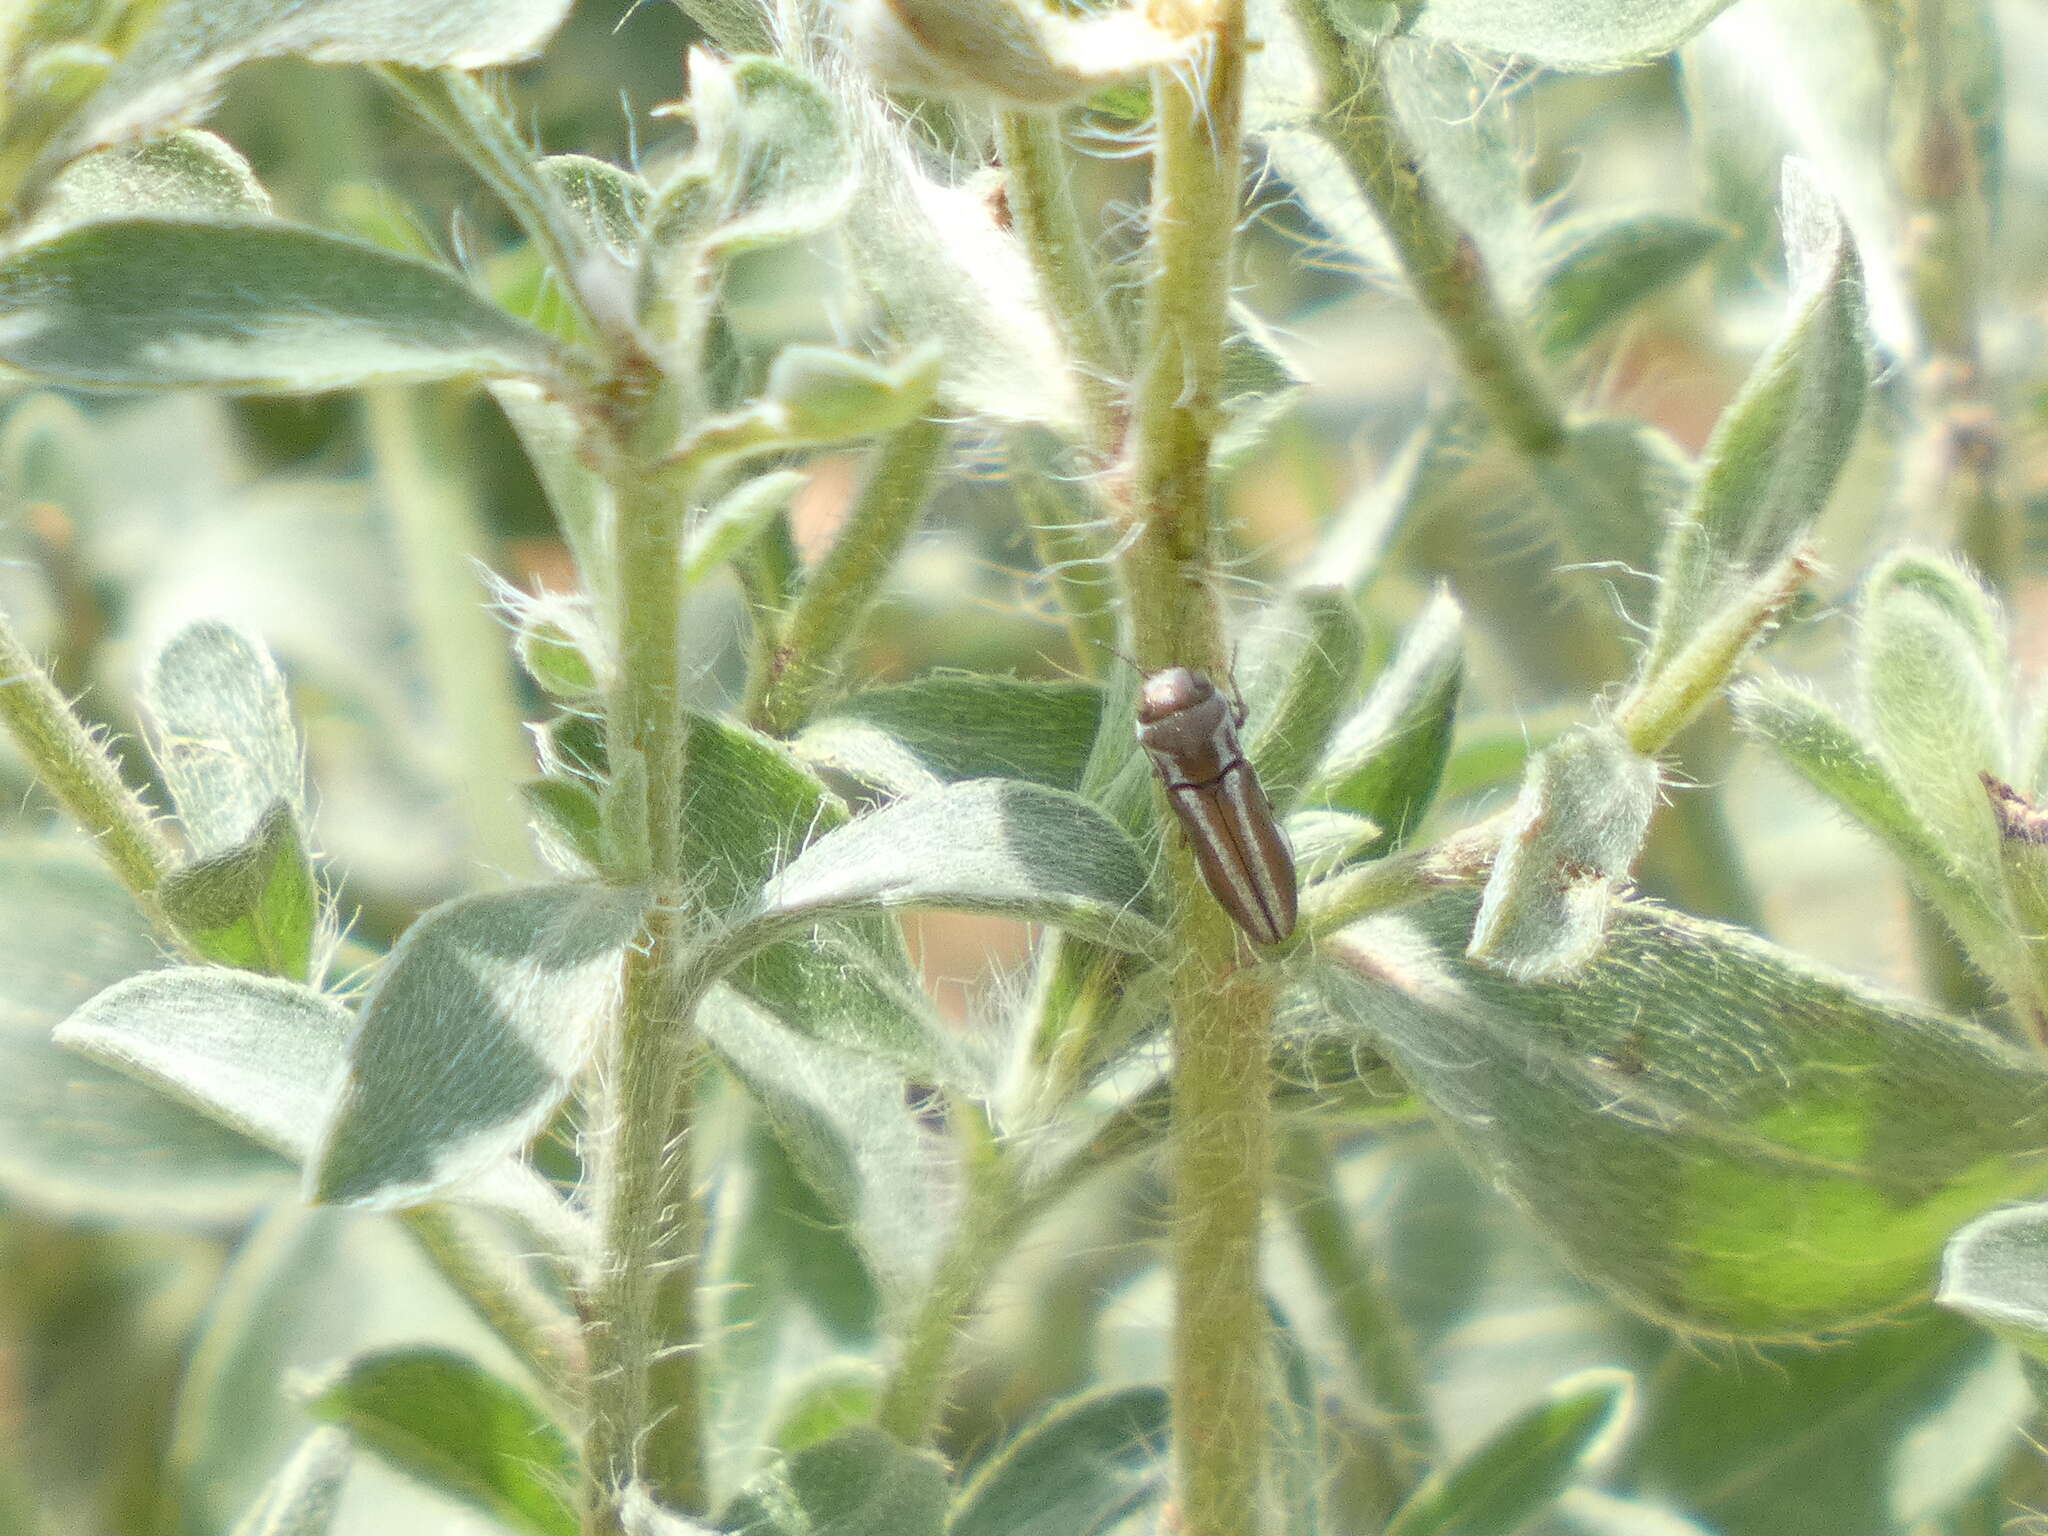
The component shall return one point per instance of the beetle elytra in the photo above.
(1189, 730)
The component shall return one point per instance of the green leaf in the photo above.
(256, 1053)
(1882, 1434)
(1019, 55)
(190, 172)
(610, 202)
(736, 26)
(822, 395)
(1777, 450)
(1995, 1272)
(740, 517)
(948, 727)
(1296, 1414)
(1935, 681)
(1385, 762)
(990, 845)
(1567, 34)
(570, 822)
(76, 1139)
(1480, 1296)
(1325, 841)
(1598, 268)
(479, 1020)
(848, 982)
(860, 1483)
(1493, 751)
(847, 1124)
(1521, 1469)
(441, 1417)
(304, 1290)
(178, 59)
(223, 735)
(254, 907)
(241, 305)
(581, 498)
(1259, 385)
(558, 644)
(301, 1500)
(1828, 753)
(942, 269)
(1571, 839)
(1080, 1469)
(1589, 1512)
(842, 1392)
(1797, 1147)
(784, 1283)
(772, 162)
(1301, 665)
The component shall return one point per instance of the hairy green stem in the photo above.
(1662, 702)
(79, 770)
(467, 660)
(1952, 477)
(915, 1394)
(647, 1409)
(1377, 1344)
(1443, 265)
(502, 1294)
(1221, 1007)
(1046, 218)
(838, 592)
(1066, 514)
(1940, 178)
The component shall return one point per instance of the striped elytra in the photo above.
(1189, 730)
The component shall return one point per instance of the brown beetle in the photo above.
(1189, 730)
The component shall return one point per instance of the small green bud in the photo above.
(560, 649)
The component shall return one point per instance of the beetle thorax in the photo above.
(1187, 727)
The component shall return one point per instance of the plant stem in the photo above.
(1379, 1347)
(842, 587)
(1222, 1009)
(647, 1414)
(1661, 703)
(1044, 214)
(1065, 511)
(915, 1394)
(1951, 479)
(1940, 177)
(466, 657)
(501, 1294)
(79, 770)
(1443, 264)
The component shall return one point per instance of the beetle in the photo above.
(1189, 730)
